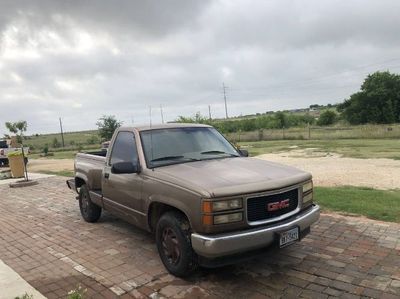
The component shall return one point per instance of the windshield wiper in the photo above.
(166, 158)
(218, 153)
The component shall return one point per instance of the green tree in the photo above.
(18, 128)
(378, 101)
(281, 119)
(328, 117)
(107, 124)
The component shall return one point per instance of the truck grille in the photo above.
(257, 206)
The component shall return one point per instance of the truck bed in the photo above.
(89, 166)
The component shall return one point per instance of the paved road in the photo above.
(43, 238)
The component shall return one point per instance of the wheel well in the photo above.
(79, 182)
(156, 210)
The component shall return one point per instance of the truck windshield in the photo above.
(180, 145)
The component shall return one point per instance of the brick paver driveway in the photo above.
(44, 239)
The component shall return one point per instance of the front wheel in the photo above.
(174, 244)
(89, 211)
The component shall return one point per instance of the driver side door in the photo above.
(122, 192)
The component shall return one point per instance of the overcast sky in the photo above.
(81, 59)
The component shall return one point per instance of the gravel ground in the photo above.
(327, 169)
(37, 165)
(333, 170)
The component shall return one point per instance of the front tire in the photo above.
(89, 211)
(174, 244)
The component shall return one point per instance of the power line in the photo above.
(313, 81)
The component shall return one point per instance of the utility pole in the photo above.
(62, 133)
(226, 108)
(162, 114)
(209, 112)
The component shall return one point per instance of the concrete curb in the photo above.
(13, 285)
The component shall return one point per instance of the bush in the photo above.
(46, 149)
(56, 143)
(328, 117)
(93, 140)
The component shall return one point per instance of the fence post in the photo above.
(260, 135)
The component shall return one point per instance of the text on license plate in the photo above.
(288, 237)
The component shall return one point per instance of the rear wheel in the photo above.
(174, 244)
(89, 211)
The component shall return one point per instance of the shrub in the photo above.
(328, 117)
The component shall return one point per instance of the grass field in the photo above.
(355, 148)
(65, 173)
(72, 139)
(391, 131)
(57, 155)
(374, 204)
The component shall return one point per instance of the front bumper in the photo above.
(71, 185)
(237, 242)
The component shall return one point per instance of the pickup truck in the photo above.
(206, 201)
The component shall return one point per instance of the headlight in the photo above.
(307, 187)
(227, 218)
(221, 205)
(307, 198)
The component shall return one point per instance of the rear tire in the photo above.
(89, 211)
(174, 244)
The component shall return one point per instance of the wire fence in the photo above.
(315, 133)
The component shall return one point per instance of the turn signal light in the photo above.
(207, 220)
(221, 205)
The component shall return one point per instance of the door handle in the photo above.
(106, 175)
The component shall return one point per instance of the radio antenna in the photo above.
(151, 136)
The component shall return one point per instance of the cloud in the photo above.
(81, 59)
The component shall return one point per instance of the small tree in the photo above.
(18, 128)
(107, 124)
(327, 118)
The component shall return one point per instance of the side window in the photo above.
(124, 148)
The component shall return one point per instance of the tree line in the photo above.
(377, 102)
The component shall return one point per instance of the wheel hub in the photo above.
(170, 245)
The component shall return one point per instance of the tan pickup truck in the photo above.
(207, 202)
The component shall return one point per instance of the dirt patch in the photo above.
(332, 170)
(37, 165)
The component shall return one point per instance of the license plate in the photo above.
(288, 237)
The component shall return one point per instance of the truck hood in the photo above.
(230, 176)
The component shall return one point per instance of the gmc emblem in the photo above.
(274, 206)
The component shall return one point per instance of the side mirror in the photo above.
(243, 153)
(124, 167)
